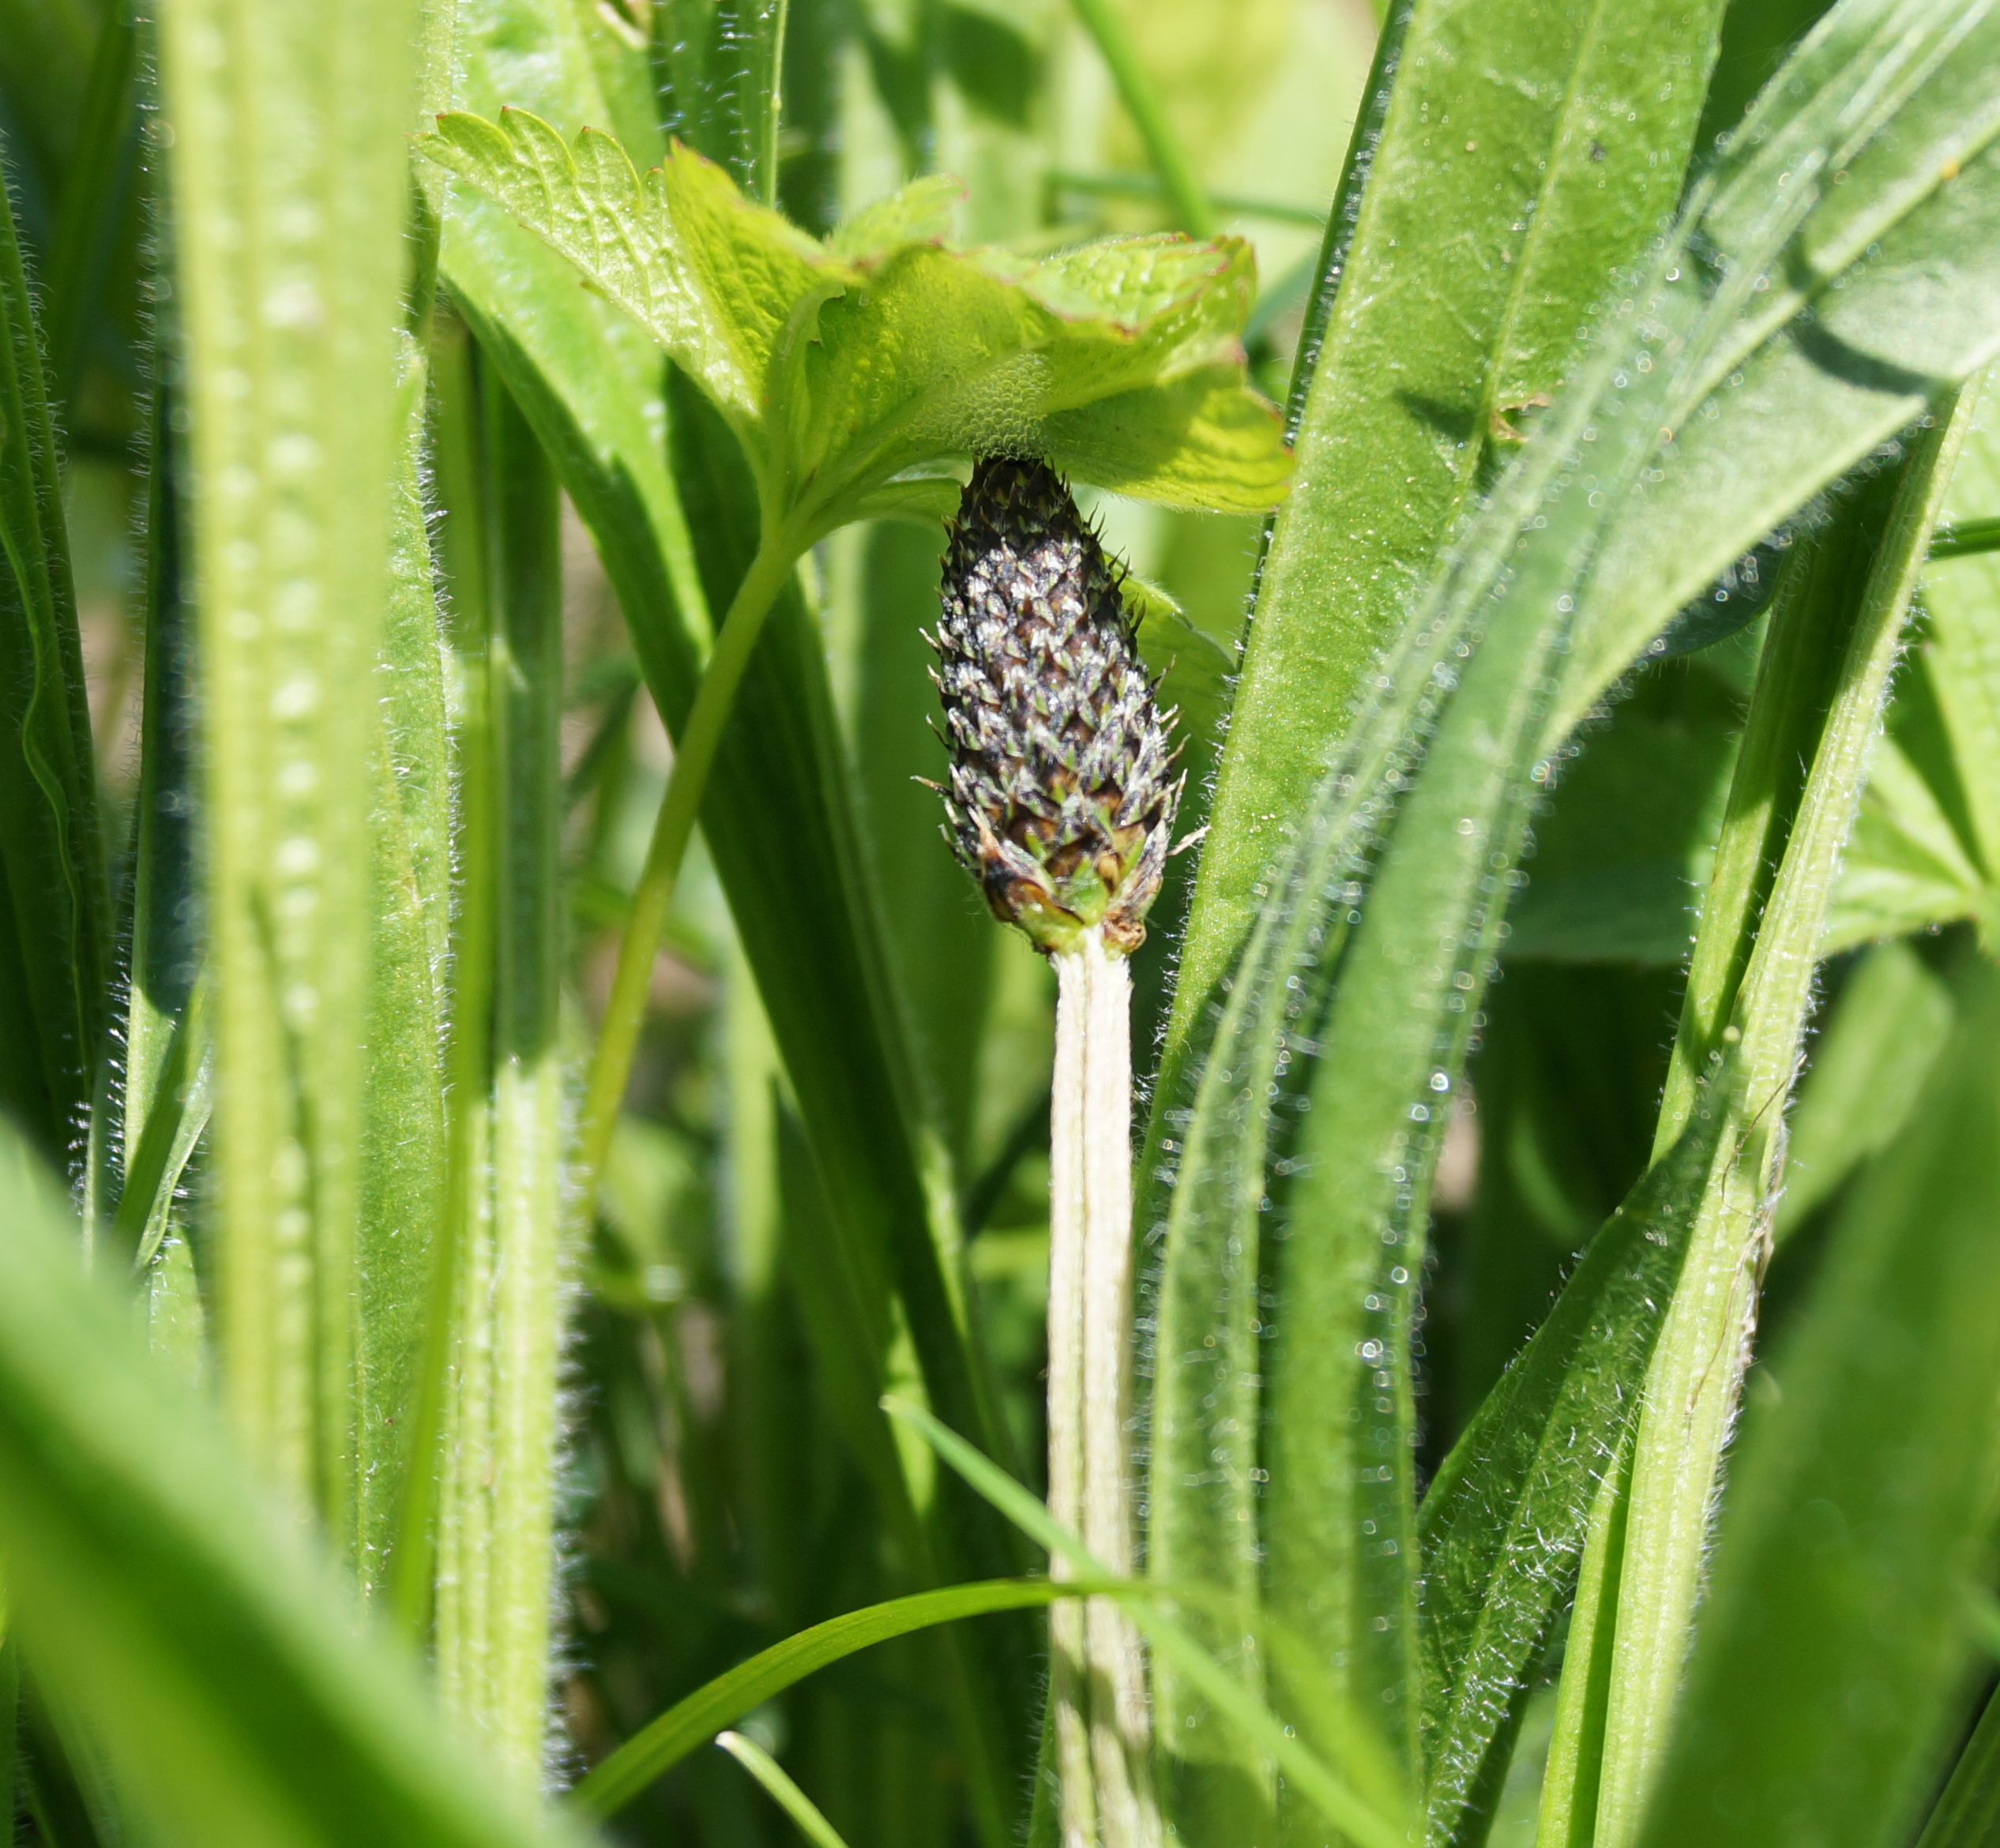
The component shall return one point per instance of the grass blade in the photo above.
(403, 1177)
(1834, 1628)
(1358, 1819)
(1358, 987)
(1691, 1388)
(1405, 356)
(54, 946)
(1507, 1511)
(161, 1593)
(1392, 361)
(496, 1508)
(783, 1791)
(685, 1728)
(1969, 1812)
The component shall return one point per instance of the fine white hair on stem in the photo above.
(1103, 1723)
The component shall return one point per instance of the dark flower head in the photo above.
(1062, 788)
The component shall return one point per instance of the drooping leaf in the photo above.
(662, 1744)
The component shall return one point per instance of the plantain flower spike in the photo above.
(1063, 789)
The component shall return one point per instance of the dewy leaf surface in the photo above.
(1365, 1007)
(1493, 215)
(841, 365)
(1434, 311)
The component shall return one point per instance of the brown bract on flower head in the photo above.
(1063, 788)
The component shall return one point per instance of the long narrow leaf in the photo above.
(162, 1595)
(1361, 984)
(685, 1728)
(1503, 1524)
(289, 185)
(1861, 1503)
(1452, 287)
(55, 938)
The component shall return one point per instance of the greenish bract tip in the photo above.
(1062, 790)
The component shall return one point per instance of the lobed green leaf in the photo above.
(841, 366)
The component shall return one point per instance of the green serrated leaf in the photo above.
(842, 364)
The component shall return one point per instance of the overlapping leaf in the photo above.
(1709, 409)
(841, 366)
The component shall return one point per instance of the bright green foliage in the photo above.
(841, 366)
(1817, 1699)
(1873, 1056)
(1398, 879)
(1584, 657)
(729, 1697)
(289, 187)
(509, 1226)
(1690, 1392)
(1509, 1508)
(1492, 217)
(162, 1595)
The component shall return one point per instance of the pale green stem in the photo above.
(1103, 1723)
(1692, 1388)
(1148, 116)
(617, 1040)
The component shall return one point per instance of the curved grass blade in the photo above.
(1968, 1815)
(690, 1725)
(783, 1791)
(1358, 1819)
(1833, 1632)
(161, 1593)
(1503, 1524)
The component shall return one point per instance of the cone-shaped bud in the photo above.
(1062, 787)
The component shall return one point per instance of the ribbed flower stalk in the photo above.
(1061, 804)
